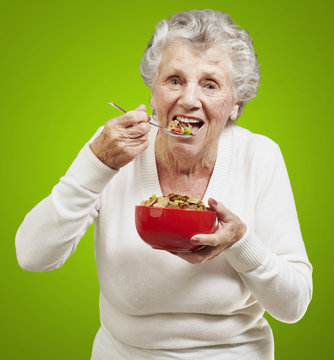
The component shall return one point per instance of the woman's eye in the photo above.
(174, 82)
(211, 86)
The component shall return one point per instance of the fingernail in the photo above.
(195, 240)
(214, 202)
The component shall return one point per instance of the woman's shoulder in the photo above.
(252, 142)
(252, 147)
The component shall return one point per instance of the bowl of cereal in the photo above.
(169, 222)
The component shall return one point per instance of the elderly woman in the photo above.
(208, 304)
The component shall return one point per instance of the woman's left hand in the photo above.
(229, 230)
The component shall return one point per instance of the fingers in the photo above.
(132, 117)
(201, 256)
(214, 239)
(193, 257)
(138, 130)
(131, 125)
(141, 107)
(222, 212)
(123, 138)
(229, 230)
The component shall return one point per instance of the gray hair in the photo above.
(203, 29)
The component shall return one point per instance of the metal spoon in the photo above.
(168, 132)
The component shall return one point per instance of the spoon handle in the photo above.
(159, 126)
(119, 108)
(169, 132)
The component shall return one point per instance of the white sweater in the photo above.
(154, 305)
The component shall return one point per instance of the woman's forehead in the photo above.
(179, 56)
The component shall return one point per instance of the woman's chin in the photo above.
(187, 148)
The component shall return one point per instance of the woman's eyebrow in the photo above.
(207, 74)
(213, 76)
(175, 71)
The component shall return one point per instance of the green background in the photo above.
(62, 61)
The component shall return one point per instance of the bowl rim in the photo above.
(188, 210)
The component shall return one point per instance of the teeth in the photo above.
(187, 120)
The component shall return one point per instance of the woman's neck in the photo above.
(188, 176)
(188, 166)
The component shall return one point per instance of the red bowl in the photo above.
(171, 229)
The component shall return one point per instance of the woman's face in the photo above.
(193, 87)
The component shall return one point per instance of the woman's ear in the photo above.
(234, 112)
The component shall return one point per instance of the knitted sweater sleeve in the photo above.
(51, 231)
(271, 258)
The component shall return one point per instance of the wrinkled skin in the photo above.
(194, 85)
(229, 230)
(123, 138)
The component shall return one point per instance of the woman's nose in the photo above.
(189, 97)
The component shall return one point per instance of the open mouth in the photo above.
(194, 123)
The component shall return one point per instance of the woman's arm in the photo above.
(52, 230)
(269, 257)
(281, 284)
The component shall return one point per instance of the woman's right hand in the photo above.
(123, 138)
